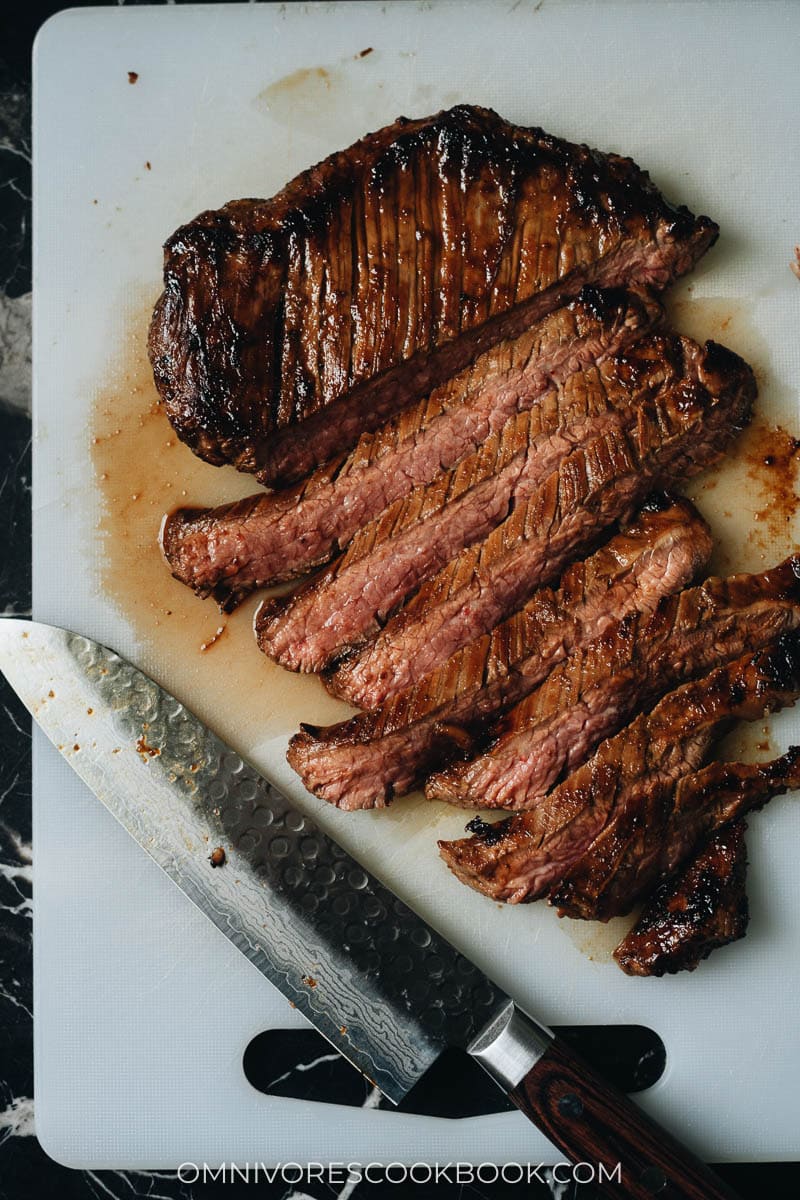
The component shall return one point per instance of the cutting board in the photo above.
(142, 1009)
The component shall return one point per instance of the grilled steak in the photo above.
(621, 787)
(289, 326)
(265, 539)
(374, 756)
(349, 601)
(658, 828)
(679, 431)
(688, 917)
(597, 690)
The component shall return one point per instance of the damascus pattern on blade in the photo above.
(384, 987)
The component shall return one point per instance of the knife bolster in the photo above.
(510, 1045)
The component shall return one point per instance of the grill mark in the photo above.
(655, 833)
(483, 166)
(693, 914)
(532, 852)
(374, 756)
(282, 537)
(619, 459)
(602, 685)
(289, 341)
(362, 299)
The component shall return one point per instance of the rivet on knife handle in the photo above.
(587, 1118)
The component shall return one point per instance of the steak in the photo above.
(350, 600)
(371, 758)
(266, 539)
(599, 688)
(287, 327)
(688, 917)
(657, 829)
(525, 856)
(678, 432)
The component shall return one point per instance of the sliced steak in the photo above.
(366, 761)
(600, 687)
(688, 917)
(287, 327)
(265, 539)
(679, 431)
(657, 829)
(525, 856)
(350, 600)
(663, 526)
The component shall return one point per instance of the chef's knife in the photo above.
(379, 983)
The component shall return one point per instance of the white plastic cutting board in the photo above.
(142, 1009)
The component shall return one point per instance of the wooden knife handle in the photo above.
(592, 1122)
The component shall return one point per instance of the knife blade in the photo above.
(381, 984)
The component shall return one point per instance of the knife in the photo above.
(387, 990)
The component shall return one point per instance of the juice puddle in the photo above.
(751, 502)
(594, 939)
(750, 499)
(211, 660)
(208, 658)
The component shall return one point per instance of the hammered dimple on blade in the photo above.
(375, 979)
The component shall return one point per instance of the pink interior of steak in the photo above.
(325, 434)
(332, 316)
(600, 687)
(366, 761)
(269, 538)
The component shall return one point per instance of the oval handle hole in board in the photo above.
(302, 1065)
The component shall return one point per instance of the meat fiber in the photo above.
(659, 828)
(349, 601)
(287, 327)
(627, 797)
(367, 760)
(702, 908)
(601, 686)
(266, 539)
(678, 432)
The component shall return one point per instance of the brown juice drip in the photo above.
(207, 659)
(750, 500)
(595, 939)
(211, 661)
(772, 458)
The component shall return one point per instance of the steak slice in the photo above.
(287, 327)
(348, 602)
(678, 432)
(371, 758)
(688, 917)
(265, 539)
(601, 686)
(657, 829)
(526, 855)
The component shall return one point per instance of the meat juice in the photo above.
(142, 470)
(210, 659)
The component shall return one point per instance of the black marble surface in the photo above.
(302, 1066)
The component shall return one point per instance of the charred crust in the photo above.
(785, 767)
(310, 731)
(602, 303)
(658, 502)
(490, 833)
(719, 360)
(203, 345)
(265, 613)
(704, 907)
(457, 740)
(782, 665)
